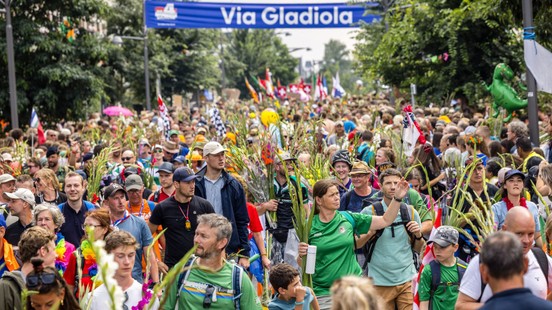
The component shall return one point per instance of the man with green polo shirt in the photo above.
(212, 282)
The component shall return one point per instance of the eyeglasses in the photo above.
(86, 226)
(126, 158)
(209, 290)
(158, 151)
(31, 166)
(42, 278)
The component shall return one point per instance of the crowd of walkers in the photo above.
(472, 194)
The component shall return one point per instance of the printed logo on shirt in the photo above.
(342, 229)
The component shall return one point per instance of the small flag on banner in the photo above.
(165, 126)
(35, 123)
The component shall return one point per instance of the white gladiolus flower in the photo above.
(106, 272)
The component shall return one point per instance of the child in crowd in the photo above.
(290, 294)
(440, 292)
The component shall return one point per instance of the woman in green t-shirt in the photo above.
(332, 233)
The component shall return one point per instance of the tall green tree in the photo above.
(337, 59)
(249, 52)
(61, 76)
(446, 47)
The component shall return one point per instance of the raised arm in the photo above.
(380, 222)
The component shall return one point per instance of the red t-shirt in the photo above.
(162, 196)
(254, 222)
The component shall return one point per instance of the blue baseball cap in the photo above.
(180, 159)
(184, 174)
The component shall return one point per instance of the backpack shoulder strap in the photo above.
(542, 260)
(184, 275)
(461, 267)
(236, 285)
(377, 209)
(348, 199)
(405, 213)
(89, 206)
(156, 196)
(349, 218)
(435, 280)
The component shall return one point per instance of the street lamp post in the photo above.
(11, 66)
(119, 41)
(295, 49)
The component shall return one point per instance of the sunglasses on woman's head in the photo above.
(41, 278)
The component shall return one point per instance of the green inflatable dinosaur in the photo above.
(503, 94)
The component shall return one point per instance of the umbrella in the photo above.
(117, 111)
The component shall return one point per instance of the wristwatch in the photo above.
(397, 199)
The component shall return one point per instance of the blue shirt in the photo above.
(280, 304)
(137, 227)
(213, 190)
(500, 209)
(517, 298)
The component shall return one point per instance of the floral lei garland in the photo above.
(89, 255)
(61, 263)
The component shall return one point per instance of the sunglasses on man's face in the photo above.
(42, 278)
(158, 151)
(209, 291)
(126, 158)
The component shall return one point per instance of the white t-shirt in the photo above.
(101, 299)
(533, 279)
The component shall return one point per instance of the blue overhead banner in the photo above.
(170, 14)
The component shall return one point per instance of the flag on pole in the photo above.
(337, 90)
(165, 125)
(319, 93)
(217, 121)
(35, 123)
(269, 86)
(412, 132)
(427, 258)
(252, 91)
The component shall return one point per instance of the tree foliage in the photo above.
(249, 52)
(60, 78)
(337, 59)
(473, 36)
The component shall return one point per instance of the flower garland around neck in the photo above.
(61, 263)
(89, 256)
(147, 295)
(510, 205)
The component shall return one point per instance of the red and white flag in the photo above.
(35, 123)
(319, 92)
(164, 122)
(412, 132)
(427, 258)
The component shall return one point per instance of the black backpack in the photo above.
(368, 249)
(436, 277)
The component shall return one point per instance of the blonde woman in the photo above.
(352, 293)
(48, 187)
